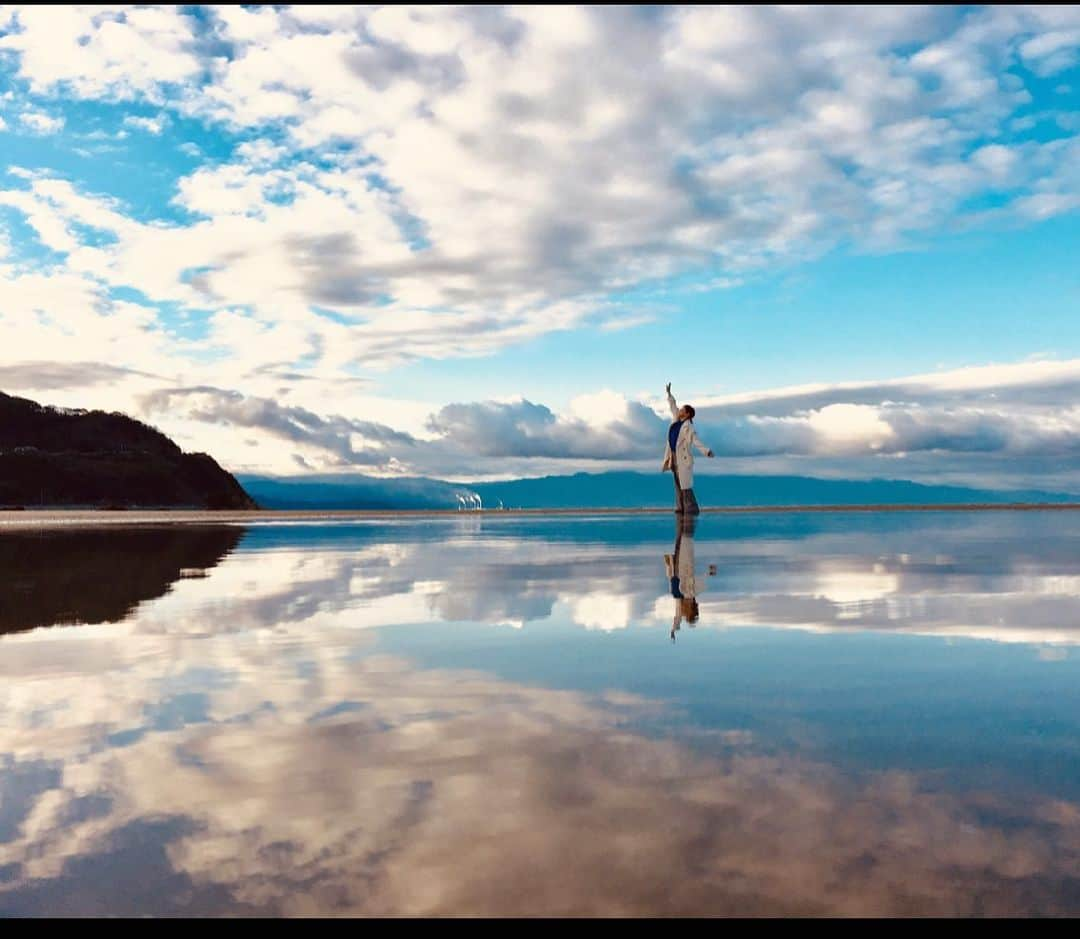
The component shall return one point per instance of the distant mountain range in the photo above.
(612, 490)
(59, 456)
(640, 490)
(358, 492)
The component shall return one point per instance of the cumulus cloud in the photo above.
(152, 125)
(992, 412)
(998, 425)
(102, 52)
(1021, 408)
(423, 183)
(525, 429)
(348, 442)
(39, 122)
(482, 177)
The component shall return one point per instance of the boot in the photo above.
(690, 506)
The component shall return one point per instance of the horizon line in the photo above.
(84, 518)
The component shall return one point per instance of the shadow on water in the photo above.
(81, 577)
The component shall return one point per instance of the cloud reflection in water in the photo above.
(243, 744)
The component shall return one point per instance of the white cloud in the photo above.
(104, 52)
(39, 122)
(1047, 204)
(600, 408)
(978, 421)
(152, 125)
(844, 425)
(527, 162)
(433, 182)
(1052, 52)
(603, 611)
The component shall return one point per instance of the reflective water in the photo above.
(856, 714)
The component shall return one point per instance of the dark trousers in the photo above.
(685, 501)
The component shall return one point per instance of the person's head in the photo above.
(690, 610)
(686, 413)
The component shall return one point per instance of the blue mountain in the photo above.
(613, 490)
(327, 492)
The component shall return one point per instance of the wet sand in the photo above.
(95, 518)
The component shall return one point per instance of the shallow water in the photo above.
(871, 714)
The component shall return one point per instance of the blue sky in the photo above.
(475, 242)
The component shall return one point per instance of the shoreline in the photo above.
(101, 518)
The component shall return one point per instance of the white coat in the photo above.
(683, 455)
(681, 564)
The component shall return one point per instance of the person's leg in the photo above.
(679, 505)
(690, 506)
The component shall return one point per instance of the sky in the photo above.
(476, 242)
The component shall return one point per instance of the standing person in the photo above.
(678, 456)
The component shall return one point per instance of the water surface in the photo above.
(842, 714)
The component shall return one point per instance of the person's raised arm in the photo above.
(671, 403)
(696, 441)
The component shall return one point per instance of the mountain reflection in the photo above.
(66, 577)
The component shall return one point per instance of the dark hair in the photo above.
(690, 411)
(690, 610)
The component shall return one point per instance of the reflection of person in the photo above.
(679, 458)
(681, 576)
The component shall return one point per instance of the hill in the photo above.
(59, 456)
